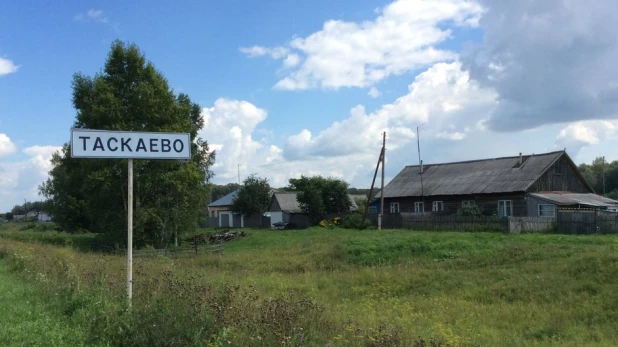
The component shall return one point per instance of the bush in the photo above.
(470, 211)
(354, 222)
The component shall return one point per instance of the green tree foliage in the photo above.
(594, 173)
(253, 196)
(319, 196)
(130, 94)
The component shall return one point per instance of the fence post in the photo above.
(596, 224)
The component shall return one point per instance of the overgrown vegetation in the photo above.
(342, 288)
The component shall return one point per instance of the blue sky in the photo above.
(297, 87)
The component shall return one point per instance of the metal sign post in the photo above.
(88, 143)
(130, 233)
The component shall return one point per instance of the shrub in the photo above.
(354, 222)
(470, 211)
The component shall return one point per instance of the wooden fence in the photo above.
(586, 221)
(567, 221)
(430, 222)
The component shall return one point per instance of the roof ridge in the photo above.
(486, 159)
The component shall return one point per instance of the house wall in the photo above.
(562, 176)
(452, 203)
(276, 217)
(533, 205)
(214, 211)
(43, 217)
(274, 205)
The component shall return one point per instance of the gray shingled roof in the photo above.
(499, 175)
(288, 203)
(568, 199)
(224, 201)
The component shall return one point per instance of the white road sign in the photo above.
(87, 143)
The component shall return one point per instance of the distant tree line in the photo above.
(28, 206)
(602, 176)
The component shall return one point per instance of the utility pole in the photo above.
(380, 219)
(375, 174)
(420, 164)
(603, 170)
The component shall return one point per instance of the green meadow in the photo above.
(334, 287)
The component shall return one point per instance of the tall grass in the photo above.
(343, 288)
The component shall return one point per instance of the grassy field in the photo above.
(338, 287)
(27, 320)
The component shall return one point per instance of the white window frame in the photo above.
(553, 210)
(394, 207)
(418, 208)
(437, 206)
(468, 203)
(504, 213)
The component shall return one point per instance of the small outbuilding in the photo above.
(545, 204)
(220, 210)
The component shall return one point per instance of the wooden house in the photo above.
(501, 186)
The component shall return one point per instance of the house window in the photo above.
(437, 206)
(419, 207)
(467, 203)
(394, 207)
(505, 208)
(547, 210)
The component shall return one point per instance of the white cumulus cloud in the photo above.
(374, 92)
(7, 66)
(6, 145)
(577, 135)
(20, 180)
(402, 38)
